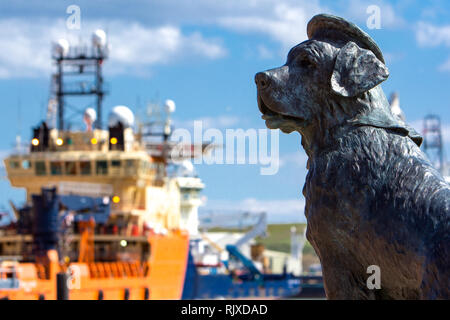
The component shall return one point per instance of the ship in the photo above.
(103, 219)
(232, 264)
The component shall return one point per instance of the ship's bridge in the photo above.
(90, 163)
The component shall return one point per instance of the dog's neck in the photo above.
(322, 133)
(339, 115)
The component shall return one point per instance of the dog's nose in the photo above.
(262, 80)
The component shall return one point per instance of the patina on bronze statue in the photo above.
(372, 197)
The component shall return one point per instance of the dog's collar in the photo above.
(379, 119)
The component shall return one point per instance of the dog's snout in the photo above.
(262, 80)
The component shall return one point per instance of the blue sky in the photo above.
(203, 54)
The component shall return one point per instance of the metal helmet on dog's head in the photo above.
(325, 26)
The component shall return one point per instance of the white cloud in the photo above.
(26, 45)
(25, 48)
(145, 34)
(135, 43)
(283, 22)
(357, 12)
(283, 210)
(428, 35)
(264, 52)
(286, 21)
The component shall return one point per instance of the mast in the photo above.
(432, 143)
(99, 92)
(79, 73)
(60, 93)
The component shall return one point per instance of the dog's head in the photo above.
(334, 74)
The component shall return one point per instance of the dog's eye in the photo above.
(304, 62)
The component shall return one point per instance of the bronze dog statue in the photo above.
(372, 197)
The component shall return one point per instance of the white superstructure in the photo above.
(190, 187)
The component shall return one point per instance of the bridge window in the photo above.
(85, 167)
(40, 169)
(56, 168)
(131, 167)
(115, 163)
(102, 167)
(26, 164)
(71, 168)
(14, 164)
(130, 163)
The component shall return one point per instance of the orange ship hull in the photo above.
(162, 277)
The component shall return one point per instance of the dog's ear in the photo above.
(356, 70)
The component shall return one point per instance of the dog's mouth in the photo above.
(276, 120)
(265, 109)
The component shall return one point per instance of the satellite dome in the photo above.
(61, 47)
(188, 166)
(89, 117)
(121, 114)
(186, 169)
(170, 106)
(99, 38)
